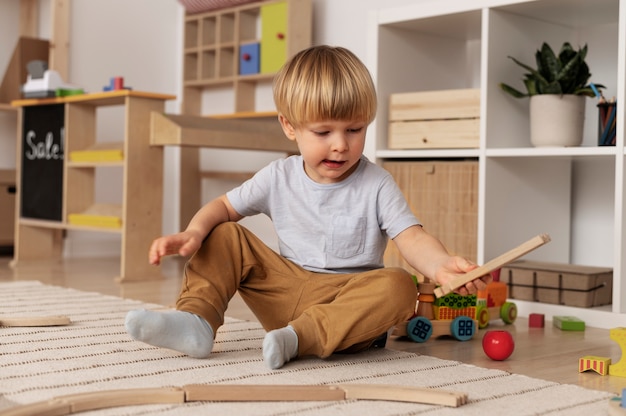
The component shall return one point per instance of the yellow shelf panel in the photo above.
(99, 152)
(99, 216)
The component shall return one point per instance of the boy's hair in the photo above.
(324, 83)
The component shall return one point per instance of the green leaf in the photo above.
(515, 93)
(549, 63)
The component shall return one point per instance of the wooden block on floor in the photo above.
(536, 320)
(591, 362)
(568, 323)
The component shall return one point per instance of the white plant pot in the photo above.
(557, 120)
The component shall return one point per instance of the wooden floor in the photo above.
(547, 353)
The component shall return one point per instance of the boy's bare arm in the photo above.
(428, 255)
(212, 214)
(187, 242)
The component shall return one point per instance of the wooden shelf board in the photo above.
(98, 216)
(242, 134)
(204, 82)
(95, 164)
(7, 107)
(98, 98)
(31, 222)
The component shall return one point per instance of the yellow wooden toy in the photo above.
(591, 362)
(619, 368)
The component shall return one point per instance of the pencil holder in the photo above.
(606, 123)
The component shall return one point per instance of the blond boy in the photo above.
(326, 290)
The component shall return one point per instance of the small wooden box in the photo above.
(435, 119)
(563, 284)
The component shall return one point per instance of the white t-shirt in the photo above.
(330, 228)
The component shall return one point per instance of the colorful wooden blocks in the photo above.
(568, 323)
(591, 362)
(536, 320)
(619, 368)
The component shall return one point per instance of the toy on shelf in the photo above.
(568, 323)
(42, 82)
(619, 368)
(492, 303)
(591, 362)
(498, 345)
(444, 316)
(116, 84)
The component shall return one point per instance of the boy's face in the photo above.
(330, 149)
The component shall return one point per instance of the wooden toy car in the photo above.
(452, 315)
(493, 304)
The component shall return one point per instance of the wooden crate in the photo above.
(444, 197)
(562, 284)
(435, 119)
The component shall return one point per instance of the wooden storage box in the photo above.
(564, 284)
(435, 119)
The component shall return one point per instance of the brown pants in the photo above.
(329, 312)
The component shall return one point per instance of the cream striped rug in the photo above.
(95, 353)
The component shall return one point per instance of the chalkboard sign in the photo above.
(42, 162)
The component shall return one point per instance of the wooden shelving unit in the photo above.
(577, 195)
(140, 214)
(215, 45)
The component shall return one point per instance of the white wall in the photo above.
(141, 40)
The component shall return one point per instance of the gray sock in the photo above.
(280, 346)
(177, 330)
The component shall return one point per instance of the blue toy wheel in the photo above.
(463, 328)
(419, 329)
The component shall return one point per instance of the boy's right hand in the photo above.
(184, 243)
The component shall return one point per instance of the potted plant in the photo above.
(557, 89)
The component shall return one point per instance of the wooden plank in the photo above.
(142, 217)
(29, 18)
(80, 133)
(494, 264)
(403, 394)
(243, 392)
(242, 134)
(32, 321)
(60, 39)
(435, 105)
(116, 97)
(130, 397)
(435, 134)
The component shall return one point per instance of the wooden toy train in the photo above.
(455, 315)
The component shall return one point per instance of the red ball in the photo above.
(498, 345)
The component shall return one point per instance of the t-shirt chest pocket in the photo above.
(347, 237)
